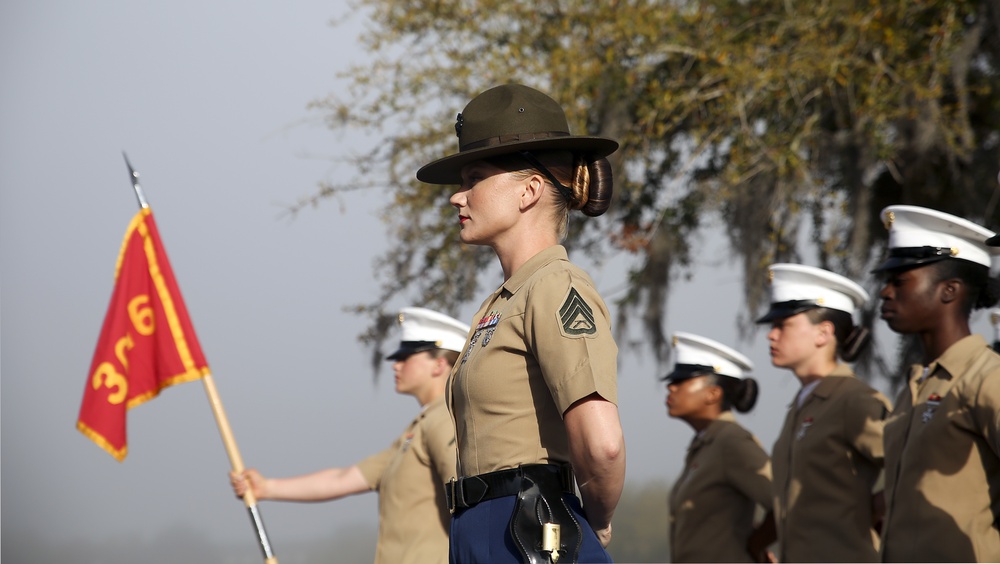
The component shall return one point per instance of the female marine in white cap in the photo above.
(409, 476)
(727, 474)
(828, 456)
(534, 395)
(942, 441)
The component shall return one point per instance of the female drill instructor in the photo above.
(942, 441)
(409, 475)
(726, 472)
(828, 456)
(533, 396)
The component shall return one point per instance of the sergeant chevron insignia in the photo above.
(576, 316)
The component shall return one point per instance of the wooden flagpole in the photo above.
(235, 460)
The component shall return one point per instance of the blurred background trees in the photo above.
(790, 125)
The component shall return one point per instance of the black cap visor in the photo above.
(909, 257)
(781, 310)
(407, 348)
(683, 372)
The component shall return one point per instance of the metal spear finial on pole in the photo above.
(235, 460)
(135, 183)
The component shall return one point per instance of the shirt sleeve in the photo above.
(986, 407)
(374, 466)
(439, 446)
(568, 329)
(750, 470)
(864, 421)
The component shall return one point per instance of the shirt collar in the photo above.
(958, 357)
(533, 265)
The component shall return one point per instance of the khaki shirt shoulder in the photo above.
(942, 460)
(541, 342)
(826, 462)
(409, 477)
(726, 476)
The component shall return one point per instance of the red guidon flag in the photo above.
(146, 344)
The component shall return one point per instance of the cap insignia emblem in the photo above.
(954, 252)
(400, 317)
(459, 122)
(770, 276)
(889, 218)
(820, 300)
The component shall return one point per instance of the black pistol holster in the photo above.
(543, 526)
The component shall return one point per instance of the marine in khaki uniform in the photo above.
(409, 475)
(534, 394)
(828, 456)
(727, 475)
(942, 441)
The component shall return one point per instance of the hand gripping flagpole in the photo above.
(221, 420)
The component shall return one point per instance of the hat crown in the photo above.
(695, 350)
(508, 114)
(507, 119)
(916, 228)
(801, 287)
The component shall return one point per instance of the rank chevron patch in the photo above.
(576, 316)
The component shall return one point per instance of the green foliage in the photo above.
(774, 116)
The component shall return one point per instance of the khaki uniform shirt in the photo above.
(826, 462)
(540, 342)
(942, 460)
(409, 477)
(726, 475)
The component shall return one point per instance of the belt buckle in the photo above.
(452, 499)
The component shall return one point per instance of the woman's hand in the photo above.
(247, 479)
(604, 535)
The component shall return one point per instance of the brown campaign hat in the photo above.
(507, 119)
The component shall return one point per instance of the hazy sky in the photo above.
(209, 100)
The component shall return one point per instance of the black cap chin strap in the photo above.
(564, 190)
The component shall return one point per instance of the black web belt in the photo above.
(470, 490)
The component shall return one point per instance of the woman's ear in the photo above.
(441, 367)
(713, 394)
(532, 191)
(824, 333)
(952, 290)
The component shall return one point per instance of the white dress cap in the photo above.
(695, 356)
(922, 235)
(796, 288)
(424, 329)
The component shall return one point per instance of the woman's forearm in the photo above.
(597, 449)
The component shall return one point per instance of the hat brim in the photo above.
(895, 263)
(448, 170)
(409, 348)
(683, 372)
(781, 310)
